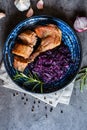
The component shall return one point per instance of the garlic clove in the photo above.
(30, 13)
(80, 24)
(40, 4)
(22, 5)
(2, 15)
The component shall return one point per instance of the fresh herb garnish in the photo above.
(31, 78)
(82, 77)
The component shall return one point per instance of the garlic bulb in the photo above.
(22, 5)
(30, 13)
(40, 4)
(80, 24)
(2, 15)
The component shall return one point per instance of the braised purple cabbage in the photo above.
(52, 65)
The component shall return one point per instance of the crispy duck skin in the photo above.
(20, 63)
(22, 50)
(28, 37)
(51, 38)
(47, 30)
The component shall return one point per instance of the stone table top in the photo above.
(20, 111)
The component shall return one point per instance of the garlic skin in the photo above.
(30, 12)
(40, 4)
(22, 5)
(80, 24)
(2, 15)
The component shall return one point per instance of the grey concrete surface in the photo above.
(16, 113)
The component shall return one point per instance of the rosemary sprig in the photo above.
(31, 78)
(82, 77)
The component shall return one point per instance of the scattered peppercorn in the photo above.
(46, 107)
(26, 99)
(38, 101)
(22, 98)
(51, 109)
(44, 97)
(13, 94)
(24, 103)
(17, 93)
(46, 115)
(24, 94)
(32, 109)
(61, 111)
(34, 101)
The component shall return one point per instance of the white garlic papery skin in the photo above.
(2, 15)
(22, 5)
(40, 4)
(80, 24)
(30, 13)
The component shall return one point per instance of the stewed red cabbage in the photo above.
(52, 65)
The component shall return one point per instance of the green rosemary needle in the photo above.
(31, 78)
(82, 77)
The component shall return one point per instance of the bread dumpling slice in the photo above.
(28, 37)
(20, 63)
(22, 50)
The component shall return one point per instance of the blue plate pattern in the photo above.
(69, 38)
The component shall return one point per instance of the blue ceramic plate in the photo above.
(69, 38)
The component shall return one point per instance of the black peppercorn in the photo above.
(46, 115)
(13, 94)
(17, 93)
(24, 103)
(24, 94)
(38, 101)
(26, 99)
(44, 97)
(46, 107)
(22, 98)
(34, 101)
(51, 109)
(32, 109)
(61, 111)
